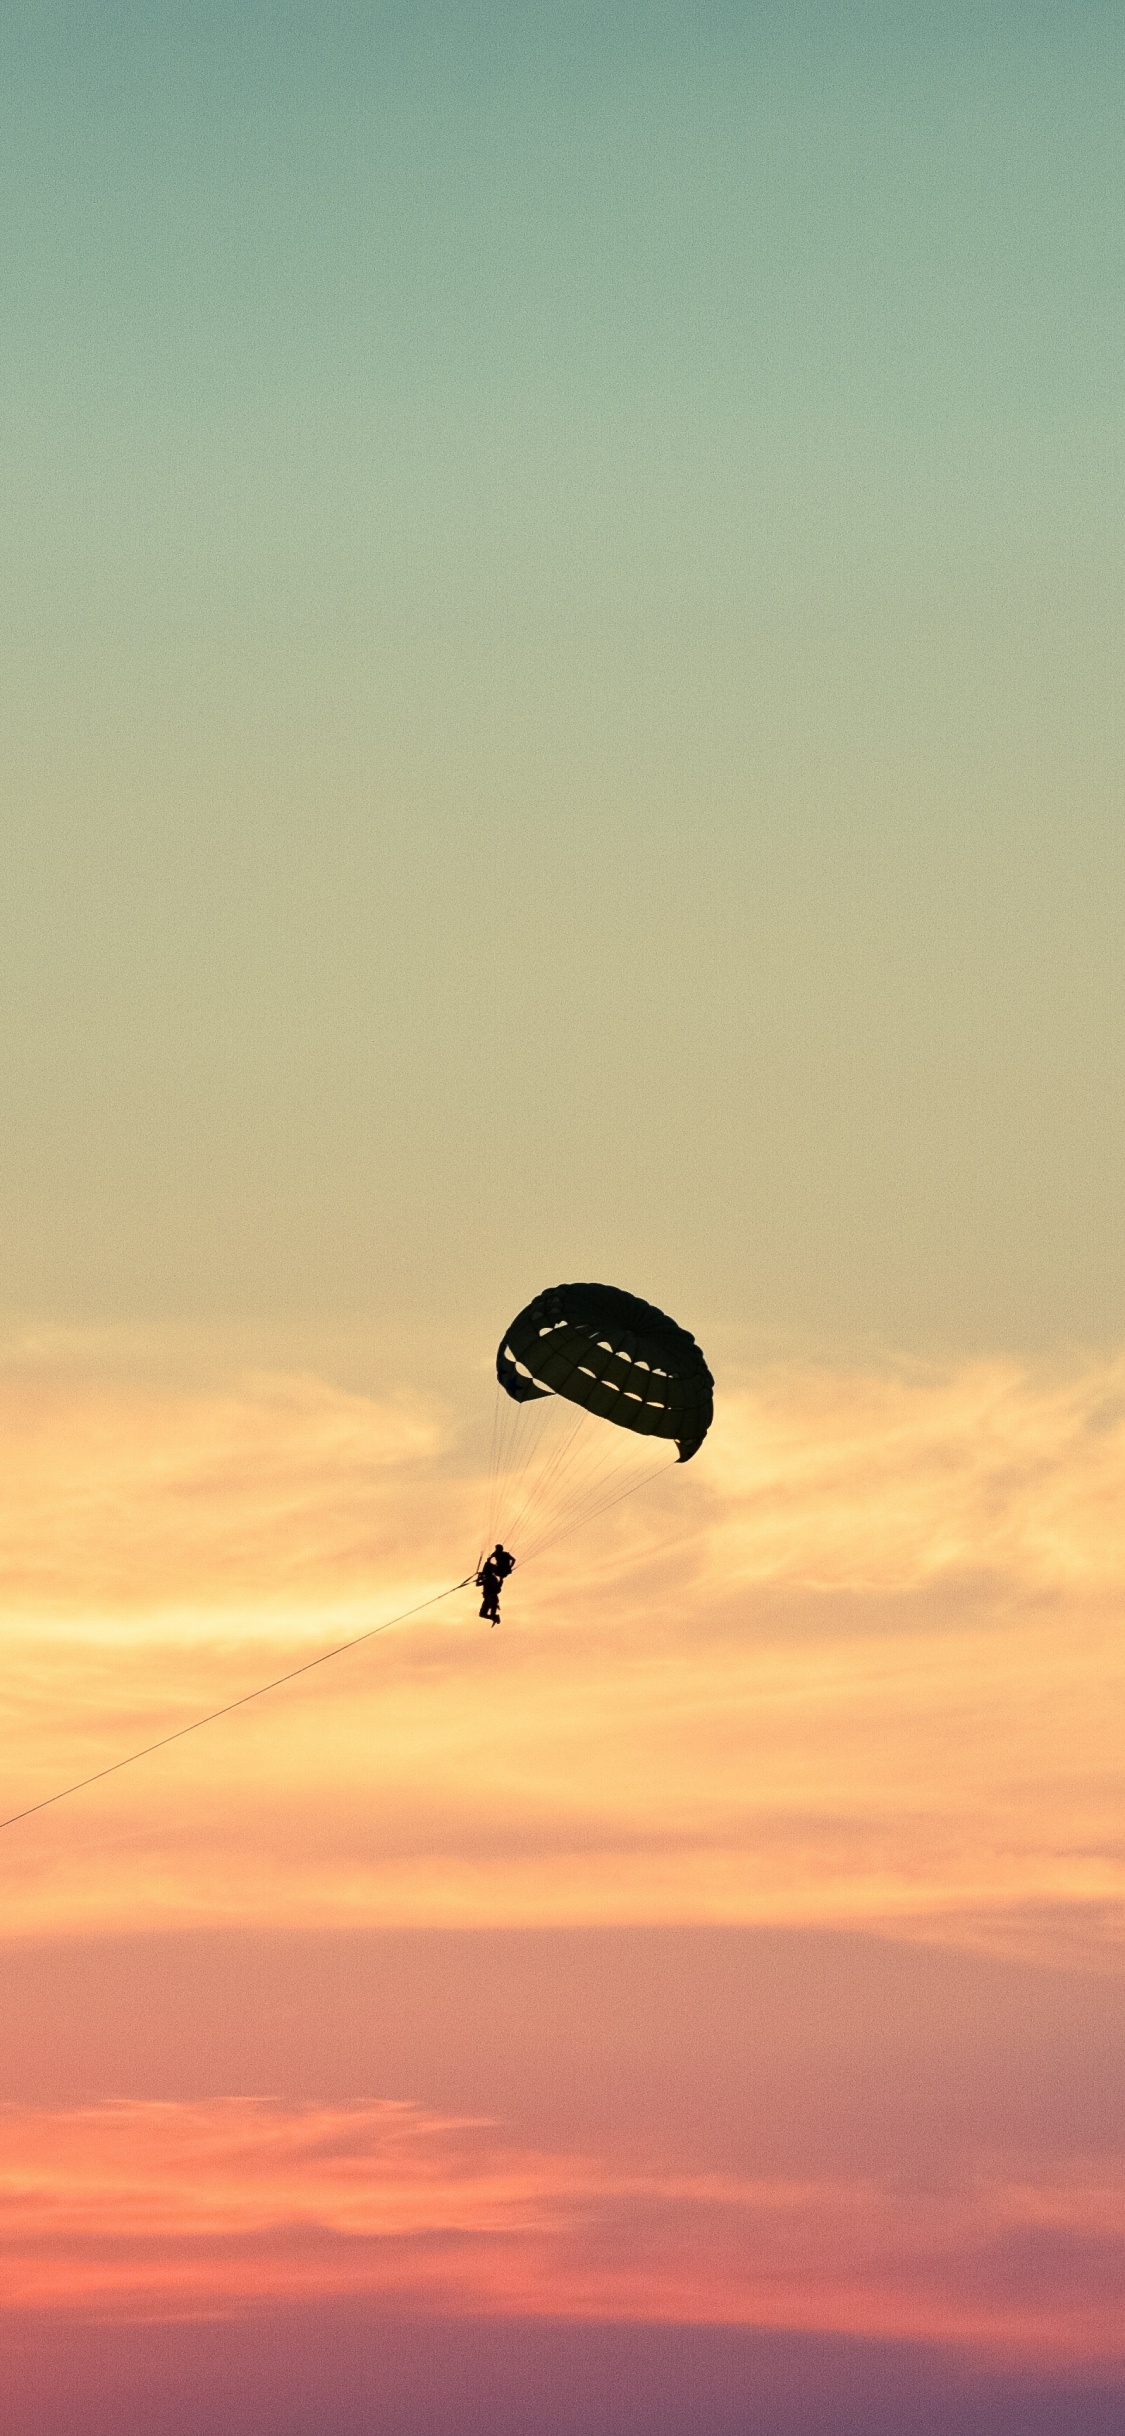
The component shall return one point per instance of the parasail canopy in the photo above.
(614, 1355)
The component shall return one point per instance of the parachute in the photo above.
(589, 1354)
(614, 1355)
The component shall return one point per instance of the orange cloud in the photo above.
(890, 1480)
(861, 1661)
(122, 1496)
(125, 1493)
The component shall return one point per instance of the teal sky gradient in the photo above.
(563, 631)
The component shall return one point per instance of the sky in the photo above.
(561, 618)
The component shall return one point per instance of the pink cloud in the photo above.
(149, 2210)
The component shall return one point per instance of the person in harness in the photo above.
(491, 1579)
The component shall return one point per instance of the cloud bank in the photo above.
(860, 1662)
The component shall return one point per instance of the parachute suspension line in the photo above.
(518, 1434)
(552, 1470)
(609, 1462)
(561, 1443)
(499, 1419)
(244, 1698)
(576, 1484)
(500, 1423)
(574, 1522)
(569, 1469)
(604, 1488)
(491, 1464)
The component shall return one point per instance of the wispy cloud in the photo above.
(861, 1661)
(890, 1480)
(140, 2210)
(129, 1493)
(121, 1497)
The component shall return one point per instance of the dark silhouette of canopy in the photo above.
(616, 1356)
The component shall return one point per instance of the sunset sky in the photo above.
(562, 640)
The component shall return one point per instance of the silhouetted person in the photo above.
(491, 1579)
